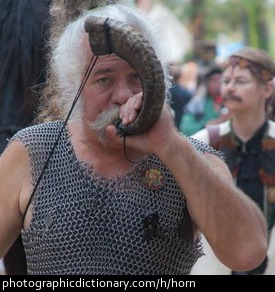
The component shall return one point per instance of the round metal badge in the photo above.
(153, 178)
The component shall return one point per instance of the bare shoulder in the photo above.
(14, 156)
(14, 176)
(14, 173)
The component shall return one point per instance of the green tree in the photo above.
(245, 20)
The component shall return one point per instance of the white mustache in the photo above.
(105, 118)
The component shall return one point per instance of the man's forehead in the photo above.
(236, 71)
(111, 61)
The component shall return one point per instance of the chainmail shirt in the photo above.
(84, 223)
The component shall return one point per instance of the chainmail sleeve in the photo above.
(86, 224)
(202, 147)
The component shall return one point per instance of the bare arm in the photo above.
(14, 181)
(233, 224)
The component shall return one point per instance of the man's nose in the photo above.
(122, 93)
(231, 85)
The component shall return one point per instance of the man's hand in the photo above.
(129, 111)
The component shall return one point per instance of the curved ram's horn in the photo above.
(108, 36)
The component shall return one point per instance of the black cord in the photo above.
(80, 89)
(125, 152)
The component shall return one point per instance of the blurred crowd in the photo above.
(196, 98)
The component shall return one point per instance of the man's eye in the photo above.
(241, 81)
(103, 80)
(225, 81)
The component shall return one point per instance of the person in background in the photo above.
(23, 35)
(270, 106)
(248, 138)
(206, 104)
(90, 200)
(189, 76)
(180, 95)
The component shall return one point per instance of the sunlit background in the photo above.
(197, 27)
